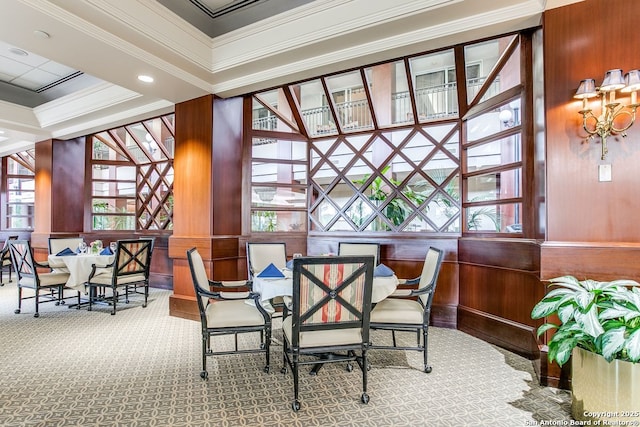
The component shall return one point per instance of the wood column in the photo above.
(207, 194)
(59, 191)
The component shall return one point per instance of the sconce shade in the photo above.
(612, 81)
(632, 81)
(587, 89)
(505, 115)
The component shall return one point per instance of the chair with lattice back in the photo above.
(5, 259)
(330, 316)
(129, 269)
(28, 277)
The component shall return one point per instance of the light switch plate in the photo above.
(604, 173)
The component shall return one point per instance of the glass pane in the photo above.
(21, 196)
(494, 153)
(491, 122)
(281, 173)
(106, 148)
(314, 108)
(116, 173)
(18, 168)
(494, 186)
(390, 93)
(350, 101)
(495, 218)
(265, 148)
(265, 119)
(434, 84)
(278, 197)
(272, 221)
(105, 189)
(114, 222)
(20, 184)
(480, 59)
(160, 135)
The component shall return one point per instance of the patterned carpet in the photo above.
(141, 368)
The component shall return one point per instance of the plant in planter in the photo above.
(600, 326)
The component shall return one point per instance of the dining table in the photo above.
(79, 267)
(270, 287)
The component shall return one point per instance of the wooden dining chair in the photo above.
(225, 310)
(129, 269)
(409, 310)
(49, 286)
(331, 307)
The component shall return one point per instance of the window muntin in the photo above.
(390, 94)
(350, 101)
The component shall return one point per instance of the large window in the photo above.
(395, 147)
(132, 176)
(19, 181)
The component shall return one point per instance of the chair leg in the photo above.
(78, 306)
(146, 293)
(365, 396)
(115, 299)
(37, 314)
(296, 403)
(425, 334)
(205, 340)
(267, 343)
(393, 336)
(17, 311)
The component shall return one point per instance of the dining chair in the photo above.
(330, 316)
(58, 244)
(408, 310)
(129, 269)
(359, 248)
(227, 308)
(26, 269)
(5, 259)
(259, 256)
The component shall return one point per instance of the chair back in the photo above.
(200, 280)
(331, 293)
(5, 253)
(132, 257)
(57, 244)
(22, 259)
(260, 255)
(349, 248)
(429, 276)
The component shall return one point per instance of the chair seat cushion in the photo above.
(396, 310)
(310, 339)
(46, 279)
(232, 313)
(105, 279)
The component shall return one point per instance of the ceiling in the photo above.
(69, 68)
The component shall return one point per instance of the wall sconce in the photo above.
(604, 124)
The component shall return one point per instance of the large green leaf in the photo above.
(566, 313)
(547, 326)
(544, 308)
(632, 346)
(589, 322)
(612, 342)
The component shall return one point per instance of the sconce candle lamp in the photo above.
(611, 111)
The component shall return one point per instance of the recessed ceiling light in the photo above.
(41, 34)
(146, 79)
(18, 52)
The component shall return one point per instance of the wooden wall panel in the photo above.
(584, 40)
(499, 285)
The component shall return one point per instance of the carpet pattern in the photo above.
(141, 368)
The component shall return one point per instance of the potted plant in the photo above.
(599, 326)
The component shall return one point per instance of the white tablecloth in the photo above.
(271, 288)
(79, 267)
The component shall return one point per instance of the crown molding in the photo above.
(460, 26)
(83, 102)
(119, 118)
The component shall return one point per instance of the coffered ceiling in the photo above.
(69, 67)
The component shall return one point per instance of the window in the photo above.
(20, 189)
(132, 176)
(493, 177)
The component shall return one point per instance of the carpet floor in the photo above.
(141, 368)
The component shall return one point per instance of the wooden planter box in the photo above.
(603, 391)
